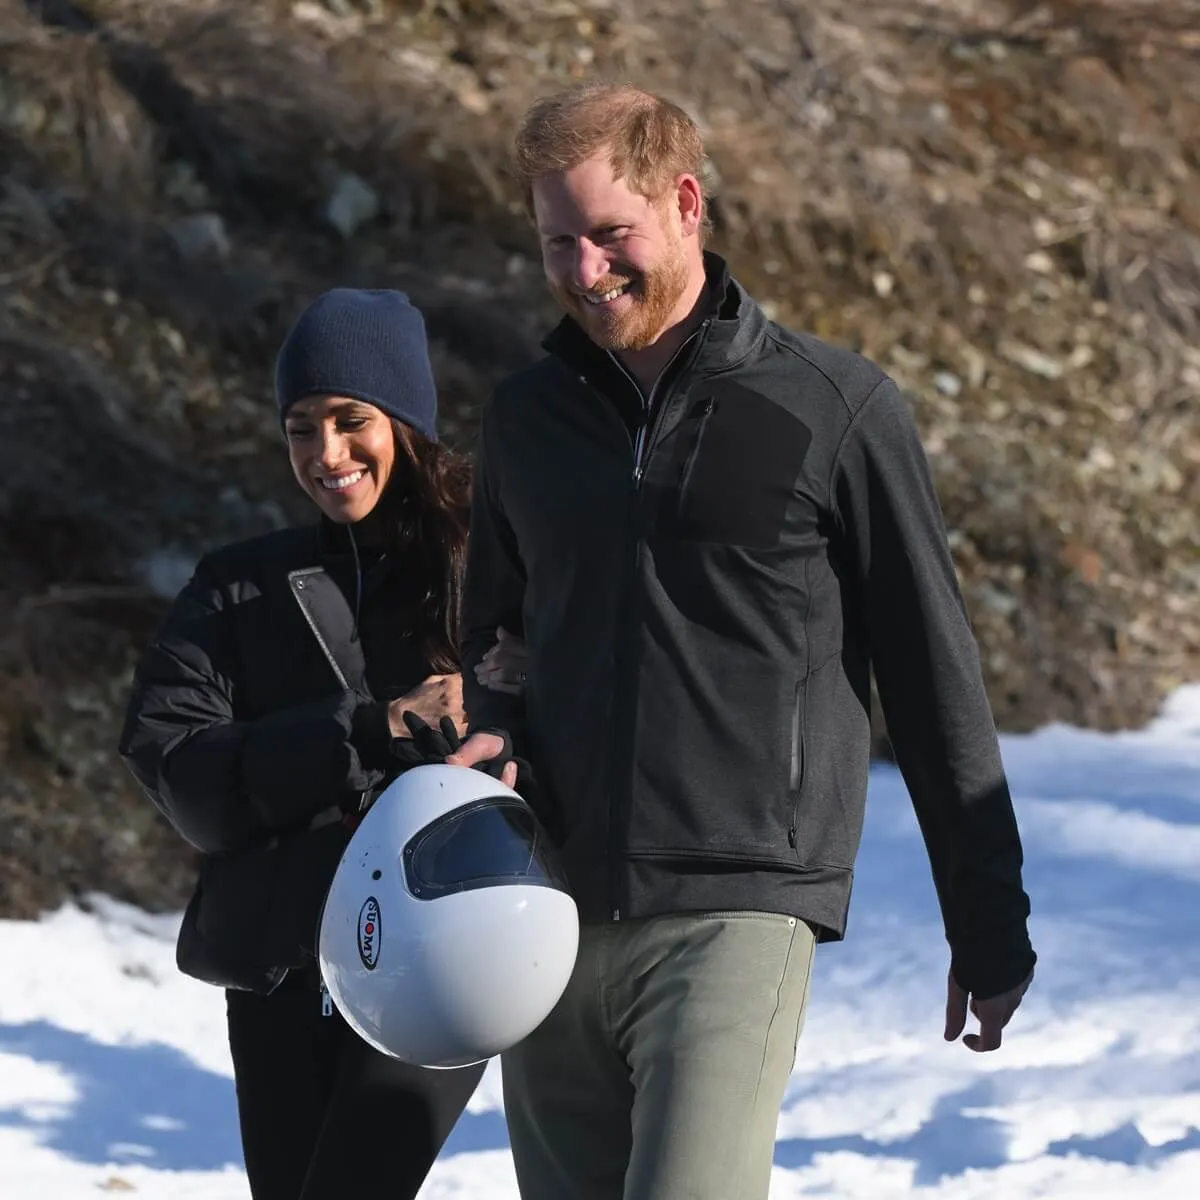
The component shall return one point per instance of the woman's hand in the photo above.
(436, 697)
(503, 668)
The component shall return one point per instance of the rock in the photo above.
(908, 360)
(1083, 560)
(1002, 603)
(474, 100)
(181, 183)
(352, 204)
(23, 116)
(166, 571)
(889, 165)
(1036, 362)
(947, 383)
(199, 237)
(977, 366)
(1082, 356)
(173, 338)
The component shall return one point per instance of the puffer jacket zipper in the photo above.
(298, 581)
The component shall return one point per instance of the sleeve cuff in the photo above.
(512, 732)
(985, 974)
(371, 735)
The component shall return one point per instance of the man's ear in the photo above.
(689, 200)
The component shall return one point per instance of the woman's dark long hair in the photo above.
(426, 511)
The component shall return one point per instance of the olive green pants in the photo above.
(660, 1073)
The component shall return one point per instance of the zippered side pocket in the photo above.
(796, 764)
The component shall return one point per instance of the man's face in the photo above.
(615, 260)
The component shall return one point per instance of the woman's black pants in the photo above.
(323, 1115)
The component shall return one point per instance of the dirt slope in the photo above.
(998, 201)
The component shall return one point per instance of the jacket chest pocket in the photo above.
(737, 457)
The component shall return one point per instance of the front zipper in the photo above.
(615, 795)
(656, 412)
(796, 765)
(644, 445)
(642, 448)
(614, 756)
(638, 442)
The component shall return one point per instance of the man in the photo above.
(709, 529)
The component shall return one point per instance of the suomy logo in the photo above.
(369, 933)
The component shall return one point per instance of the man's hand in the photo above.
(503, 668)
(436, 697)
(441, 743)
(992, 1014)
(480, 747)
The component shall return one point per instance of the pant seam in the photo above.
(803, 1011)
(762, 1066)
(607, 1024)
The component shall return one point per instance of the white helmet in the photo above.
(448, 933)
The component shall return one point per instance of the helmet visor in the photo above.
(486, 844)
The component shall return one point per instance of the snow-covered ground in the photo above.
(114, 1073)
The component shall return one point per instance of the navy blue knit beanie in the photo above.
(369, 345)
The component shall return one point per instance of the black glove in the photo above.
(434, 745)
(430, 745)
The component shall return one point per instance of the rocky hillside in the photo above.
(997, 199)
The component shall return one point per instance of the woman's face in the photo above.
(342, 452)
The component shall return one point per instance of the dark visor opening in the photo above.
(485, 844)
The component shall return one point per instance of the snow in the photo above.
(115, 1074)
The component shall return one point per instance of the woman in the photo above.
(269, 712)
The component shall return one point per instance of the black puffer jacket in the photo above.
(257, 721)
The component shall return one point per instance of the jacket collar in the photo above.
(736, 327)
(331, 538)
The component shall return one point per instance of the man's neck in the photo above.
(648, 364)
